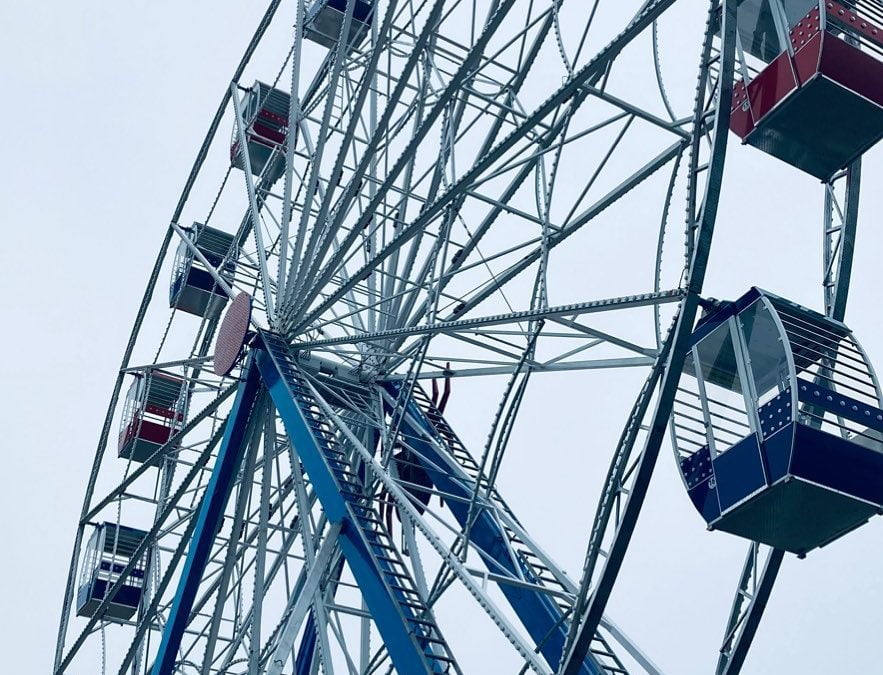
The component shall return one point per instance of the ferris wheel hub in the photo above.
(232, 334)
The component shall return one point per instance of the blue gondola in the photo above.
(265, 110)
(325, 19)
(778, 424)
(193, 289)
(109, 551)
(811, 80)
(153, 412)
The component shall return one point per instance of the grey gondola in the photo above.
(325, 20)
(193, 289)
(110, 549)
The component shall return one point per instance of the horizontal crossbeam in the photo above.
(591, 307)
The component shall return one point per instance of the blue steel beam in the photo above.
(211, 513)
(541, 616)
(409, 633)
(303, 664)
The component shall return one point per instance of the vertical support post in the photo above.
(310, 536)
(211, 513)
(239, 515)
(257, 605)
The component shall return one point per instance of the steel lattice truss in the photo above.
(421, 220)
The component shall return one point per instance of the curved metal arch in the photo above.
(139, 318)
(589, 615)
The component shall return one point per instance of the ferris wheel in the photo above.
(423, 209)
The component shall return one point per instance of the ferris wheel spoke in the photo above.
(551, 313)
(300, 603)
(318, 230)
(255, 211)
(294, 113)
(464, 71)
(320, 237)
(506, 369)
(280, 564)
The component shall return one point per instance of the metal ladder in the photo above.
(535, 571)
(369, 531)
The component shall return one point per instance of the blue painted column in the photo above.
(211, 513)
(411, 638)
(538, 611)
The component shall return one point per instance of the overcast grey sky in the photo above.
(105, 105)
